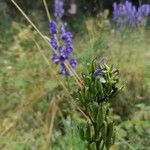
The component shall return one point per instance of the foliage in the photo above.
(135, 131)
(27, 86)
(98, 89)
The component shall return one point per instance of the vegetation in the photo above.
(36, 112)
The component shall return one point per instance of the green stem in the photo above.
(67, 80)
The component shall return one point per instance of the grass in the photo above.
(28, 87)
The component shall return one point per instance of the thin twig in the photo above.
(84, 115)
(74, 72)
(47, 11)
(54, 110)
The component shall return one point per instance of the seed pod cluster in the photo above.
(100, 85)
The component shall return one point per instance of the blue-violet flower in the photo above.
(64, 50)
(59, 10)
(126, 14)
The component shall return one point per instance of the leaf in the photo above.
(120, 133)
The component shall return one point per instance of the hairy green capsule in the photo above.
(100, 116)
(113, 138)
(110, 131)
(104, 131)
(95, 108)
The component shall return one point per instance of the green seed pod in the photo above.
(98, 90)
(87, 145)
(109, 135)
(92, 146)
(93, 66)
(100, 116)
(94, 110)
(104, 110)
(107, 67)
(113, 138)
(104, 131)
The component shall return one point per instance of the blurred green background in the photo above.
(29, 118)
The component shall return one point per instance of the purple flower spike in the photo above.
(68, 37)
(55, 58)
(63, 70)
(69, 48)
(126, 14)
(59, 10)
(63, 53)
(53, 27)
(63, 32)
(73, 63)
(142, 14)
(64, 48)
(53, 42)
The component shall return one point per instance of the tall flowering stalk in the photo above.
(126, 14)
(63, 47)
(99, 88)
(142, 14)
(59, 8)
